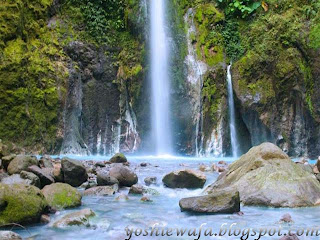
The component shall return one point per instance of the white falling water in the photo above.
(160, 79)
(233, 132)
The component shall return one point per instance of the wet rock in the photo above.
(184, 179)
(61, 195)
(136, 189)
(146, 199)
(101, 190)
(286, 218)
(100, 164)
(24, 204)
(122, 197)
(118, 158)
(20, 163)
(143, 164)
(79, 218)
(104, 179)
(217, 202)
(124, 175)
(293, 237)
(150, 180)
(45, 175)
(9, 235)
(6, 160)
(34, 179)
(46, 162)
(45, 219)
(74, 172)
(266, 176)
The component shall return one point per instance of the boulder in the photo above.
(57, 172)
(124, 175)
(104, 179)
(136, 189)
(9, 235)
(15, 179)
(118, 158)
(45, 175)
(266, 176)
(46, 162)
(101, 190)
(6, 160)
(222, 202)
(61, 195)
(74, 172)
(79, 218)
(34, 179)
(185, 178)
(20, 163)
(150, 180)
(21, 204)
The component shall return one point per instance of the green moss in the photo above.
(315, 36)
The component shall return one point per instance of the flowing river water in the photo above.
(112, 217)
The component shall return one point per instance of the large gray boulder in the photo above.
(20, 163)
(34, 179)
(45, 174)
(118, 158)
(74, 172)
(20, 203)
(266, 176)
(124, 175)
(218, 202)
(79, 218)
(185, 178)
(61, 195)
(104, 179)
(9, 235)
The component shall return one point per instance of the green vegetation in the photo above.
(236, 8)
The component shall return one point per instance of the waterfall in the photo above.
(160, 79)
(232, 121)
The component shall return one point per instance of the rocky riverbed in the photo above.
(101, 196)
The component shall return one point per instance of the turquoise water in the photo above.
(114, 216)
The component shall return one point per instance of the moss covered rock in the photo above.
(266, 176)
(20, 163)
(21, 203)
(61, 195)
(119, 158)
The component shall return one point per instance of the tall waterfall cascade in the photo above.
(160, 93)
(232, 120)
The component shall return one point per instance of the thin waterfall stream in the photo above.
(161, 130)
(232, 121)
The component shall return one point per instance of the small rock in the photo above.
(223, 163)
(6, 160)
(143, 164)
(240, 213)
(79, 218)
(202, 168)
(46, 162)
(34, 179)
(20, 163)
(185, 179)
(286, 218)
(100, 164)
(136, 189)
(74, 172)
(104, 179)
(293, 237)
(9, 235)
(45, 219)
(118, 158)
(45, 174)
(122, 197)
(101, 190)
(57, 172)
(217, 202)
(150, 180)
(124, 175)
(146, 199)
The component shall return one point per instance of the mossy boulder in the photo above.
(61, 195)
(266, 176)
(217, 202)
(21, 203)
(118, 158)
(20, 163)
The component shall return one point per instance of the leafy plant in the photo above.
(239, 8)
